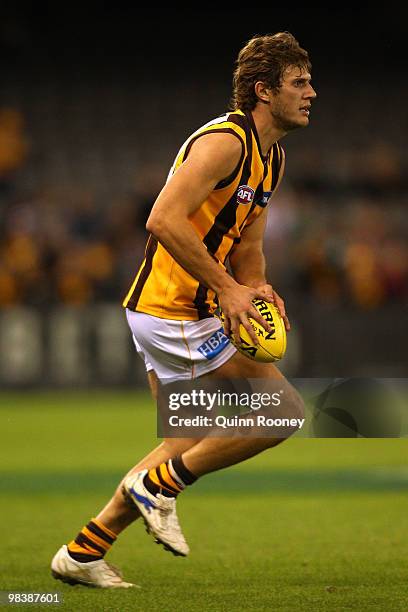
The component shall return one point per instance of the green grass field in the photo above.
(311, 525)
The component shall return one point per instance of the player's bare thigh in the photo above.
(239, 366)
(153, 383)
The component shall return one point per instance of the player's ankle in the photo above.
(169, 478)
(92, 542)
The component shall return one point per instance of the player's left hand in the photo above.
(274, 298)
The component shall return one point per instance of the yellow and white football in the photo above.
(271, 345)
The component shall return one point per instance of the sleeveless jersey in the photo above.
(162, 287)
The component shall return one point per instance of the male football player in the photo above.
(211, 211)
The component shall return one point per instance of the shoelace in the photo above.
(113, 571)
(167, 513)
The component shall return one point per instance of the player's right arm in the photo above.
(212, 158)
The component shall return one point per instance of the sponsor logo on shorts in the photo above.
(214, 344)
(245, 194)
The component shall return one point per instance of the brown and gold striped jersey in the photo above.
(162, 287)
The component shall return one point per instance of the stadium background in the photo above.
(93, 107)
(94, 103)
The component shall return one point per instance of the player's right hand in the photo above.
(236, 304)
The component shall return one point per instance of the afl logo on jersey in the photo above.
(245, 194)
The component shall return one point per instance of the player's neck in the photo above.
(268, 133)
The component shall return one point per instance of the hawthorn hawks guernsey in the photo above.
(162, 287)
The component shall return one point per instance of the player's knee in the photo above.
(296, 412)
(285, 418)
(297, 405)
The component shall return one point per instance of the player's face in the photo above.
(290, 106)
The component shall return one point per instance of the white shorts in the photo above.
(179, 350)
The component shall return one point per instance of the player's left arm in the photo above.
(248, 266)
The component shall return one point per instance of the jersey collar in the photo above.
(251, 122)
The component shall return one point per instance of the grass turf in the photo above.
(311, 525)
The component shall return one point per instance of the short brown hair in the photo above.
(265, 58)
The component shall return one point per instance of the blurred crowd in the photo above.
(68, 248)
(351, 252)
(336, 239)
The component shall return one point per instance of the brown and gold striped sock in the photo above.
(169, 478)
(92, 542)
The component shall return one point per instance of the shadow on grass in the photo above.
(227, 481)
